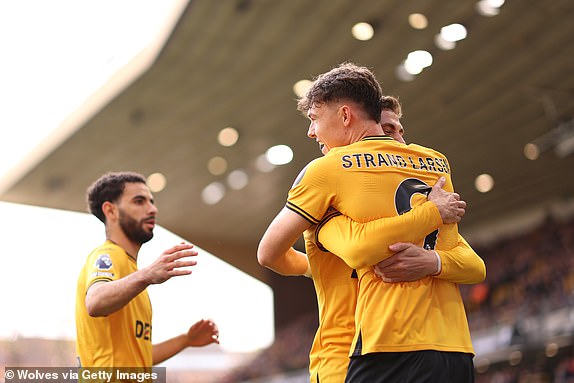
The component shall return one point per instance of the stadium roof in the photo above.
(234, 64)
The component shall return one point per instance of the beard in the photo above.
(133, 229)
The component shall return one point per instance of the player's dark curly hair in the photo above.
(109, 187)
(347, 81)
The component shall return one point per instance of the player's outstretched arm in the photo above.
(200, 334)
(104, 298)
(275, 248)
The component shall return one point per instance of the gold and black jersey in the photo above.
(121, 339)
(377, 178)
(336, 289)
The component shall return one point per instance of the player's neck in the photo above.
(119, 238)
(367, 128)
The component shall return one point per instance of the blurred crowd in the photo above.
(543, 370)
(289, 352)
(527, 275)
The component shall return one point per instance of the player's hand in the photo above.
(409, 263)
(170, 263)
(202, 333)
(450, 206)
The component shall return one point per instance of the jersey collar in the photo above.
(377, 138)
(124, 250)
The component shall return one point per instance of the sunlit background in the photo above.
(55, 55)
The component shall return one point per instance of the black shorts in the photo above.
(426, 366)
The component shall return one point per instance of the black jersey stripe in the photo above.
(358, 346)
(374, 138)
(101, 279)
(302, 213)
(323, 222)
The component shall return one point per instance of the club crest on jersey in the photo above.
(104, 262)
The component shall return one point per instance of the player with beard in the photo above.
(113, 310)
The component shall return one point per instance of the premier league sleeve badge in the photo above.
(104, 262)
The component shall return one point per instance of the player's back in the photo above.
(376, 178)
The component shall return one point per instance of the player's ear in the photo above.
(345, 113)
(110, 210)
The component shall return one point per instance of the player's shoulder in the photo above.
(314, 168)
(106, 253)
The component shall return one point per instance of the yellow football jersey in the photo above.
(121, 339)
(346, 238)
(374, 178)
(336, 289)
